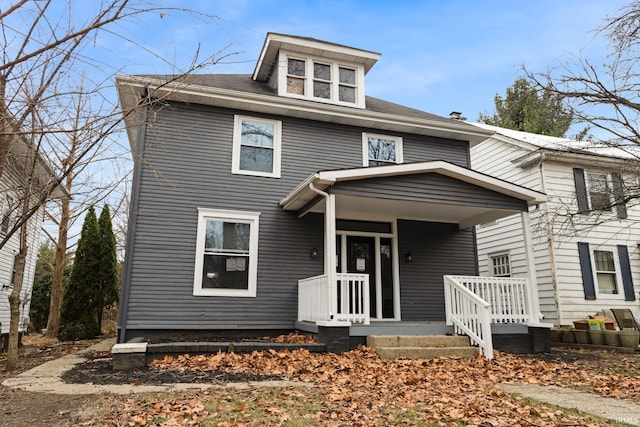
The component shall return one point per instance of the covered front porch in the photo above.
(399, 247)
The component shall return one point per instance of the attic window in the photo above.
(322, 80)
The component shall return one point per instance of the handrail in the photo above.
(469, 314)
(346, 301)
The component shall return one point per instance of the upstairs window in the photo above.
(599, 192)
(321, 80)
(256, 147)
(380, 150)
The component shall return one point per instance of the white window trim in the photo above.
(309, 78)
(205, 214)
(496, 255)
(616, 264)
(237, 139)
(365, 147)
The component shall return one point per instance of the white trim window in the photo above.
(605, 271)
(5, 220)
(321, 80)
(256, 146)
(500, 265)
(226, 253)
(380, 150)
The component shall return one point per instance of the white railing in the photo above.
(507, 296)
(469, 314)
(346, 301)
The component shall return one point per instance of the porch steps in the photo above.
(421, 347)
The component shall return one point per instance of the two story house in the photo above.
(12, 182)
(585, 238)
(287, 199)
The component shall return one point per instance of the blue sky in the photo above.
(437, 56)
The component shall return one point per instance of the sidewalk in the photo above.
(622, 411)
(46, 379)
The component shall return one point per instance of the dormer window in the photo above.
(321, 80)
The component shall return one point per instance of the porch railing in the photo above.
(469, 314)
(507, 296)
(346, 301)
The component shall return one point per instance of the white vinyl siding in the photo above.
(555, 233)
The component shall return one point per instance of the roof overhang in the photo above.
(307, 46)
(582, 159)
(131, 89)
(304, 199)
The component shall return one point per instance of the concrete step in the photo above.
(417, 341)
(425, 352)
(421, 347)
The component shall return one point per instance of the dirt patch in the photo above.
(100, 371)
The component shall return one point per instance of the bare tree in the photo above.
(39, 81)
(605, 97)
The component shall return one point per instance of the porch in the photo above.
(480, 308)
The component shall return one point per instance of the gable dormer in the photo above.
(306, 68)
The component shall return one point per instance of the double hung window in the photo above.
(226, 253)
(605, 272)
(256, 147)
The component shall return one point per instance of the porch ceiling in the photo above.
(368, 205)
(377, 209)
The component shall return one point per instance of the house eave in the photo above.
(132, 88)
(583, 159)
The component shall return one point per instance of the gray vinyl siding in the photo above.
(437, 249)
(429, 187)
(187, 165)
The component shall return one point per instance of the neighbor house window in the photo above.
(226, 253)
(380, 150)
(5, 219)
(321, 80)
(500, 266)
(599, 191)
(256, 147)
(605, 272)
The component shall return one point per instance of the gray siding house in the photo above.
(288, 199)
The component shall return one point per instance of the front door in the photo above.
(361, 258)
(370, 255)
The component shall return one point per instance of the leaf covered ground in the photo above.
(360, 389)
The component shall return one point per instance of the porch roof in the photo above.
(430, 191)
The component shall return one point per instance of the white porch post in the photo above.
(330, 251)
(532, 289)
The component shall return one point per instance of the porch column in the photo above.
(330, 250)
(534, 303)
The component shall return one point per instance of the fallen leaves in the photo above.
(358, 388)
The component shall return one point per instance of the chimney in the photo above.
(456, 115)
